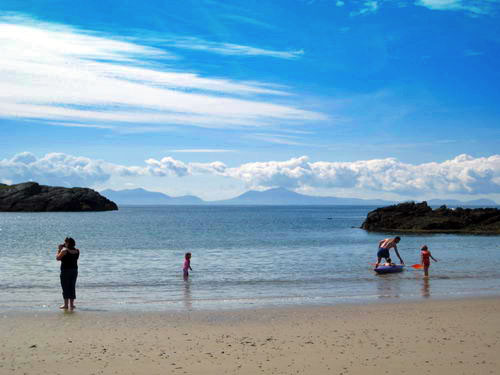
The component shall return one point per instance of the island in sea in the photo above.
(32, 197)
(420, 217)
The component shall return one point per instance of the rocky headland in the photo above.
(419, 217)
(32, 197)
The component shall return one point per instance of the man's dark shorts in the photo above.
(383, 253)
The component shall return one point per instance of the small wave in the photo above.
(27, 287)
(230, 282)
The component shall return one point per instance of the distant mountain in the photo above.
(277, 196)
(145, 197)
(453, 202)
(281, 196)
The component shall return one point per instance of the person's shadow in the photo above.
(426, 287)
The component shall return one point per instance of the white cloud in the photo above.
(54, 169)
(461, 175)
(68, 77)
(215, 168)
(167, 166)
(287, 173)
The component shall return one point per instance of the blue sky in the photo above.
(389, 99)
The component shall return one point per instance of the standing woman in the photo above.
(68, 255)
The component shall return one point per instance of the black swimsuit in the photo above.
(70, 261)
(69, 274)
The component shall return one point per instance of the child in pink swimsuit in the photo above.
(187, 265)
(425, 259)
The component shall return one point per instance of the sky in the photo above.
(383, 99)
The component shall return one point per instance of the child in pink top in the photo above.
(426, 256)
(187, 265)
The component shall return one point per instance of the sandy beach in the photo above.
(428, 337)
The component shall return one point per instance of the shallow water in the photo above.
(132, 259)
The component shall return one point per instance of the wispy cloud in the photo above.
(249, 21)
(476, 7)
(278, 139)
(462, 175)
(472, 7)
(66, 76)
(202, 150)
(472, 53)
(198, 44)
(368, 7)
(80, 125)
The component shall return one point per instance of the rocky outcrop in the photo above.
(32, 197)
(419, 217)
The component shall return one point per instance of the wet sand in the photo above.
(428, 337)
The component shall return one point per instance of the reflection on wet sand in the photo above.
(395, 286)
(426, 287)
(188, 301)
(388, 286)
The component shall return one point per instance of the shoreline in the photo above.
(249, 312)
(215, 306)
(451, 336)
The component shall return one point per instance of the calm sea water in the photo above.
(132, 259)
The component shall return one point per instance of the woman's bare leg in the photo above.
(65, 306)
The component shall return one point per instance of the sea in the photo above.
(242, 257)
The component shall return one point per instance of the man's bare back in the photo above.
(388, 243)
(383, 250)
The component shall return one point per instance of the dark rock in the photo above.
(32, 197)
(419, 217)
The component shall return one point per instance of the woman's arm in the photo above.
(61, 251)
(434, 259)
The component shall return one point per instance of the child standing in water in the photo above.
(187, 265)
(426, 256)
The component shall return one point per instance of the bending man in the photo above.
(383, 250)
